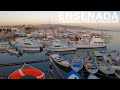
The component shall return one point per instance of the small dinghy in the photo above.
(91, 76)
(90, 65)
(77, 63)
(114, 59)
(61, 47)
(73, 75)
(103, 65)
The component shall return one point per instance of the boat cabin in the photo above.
(97, 40)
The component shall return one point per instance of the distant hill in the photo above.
(58, 26)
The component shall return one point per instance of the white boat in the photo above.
(77, 63)
(103, 65)
(91, 76)
(86, 46)
(94, 42)
(97, 40)
(28, 46)
(60, 47)
(59, 60)
(114, 59)
(73, 75)
(90, 66)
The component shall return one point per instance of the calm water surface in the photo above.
(6, 58)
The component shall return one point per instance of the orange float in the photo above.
(18, 74)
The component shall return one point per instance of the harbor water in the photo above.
(6, 58)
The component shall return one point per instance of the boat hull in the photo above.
(31, 49)
(90, 46)
(90, 70)
(61, 49)
(105, 69)
(12, 51)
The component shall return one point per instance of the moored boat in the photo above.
(90, 66)
(113, 57)
(94, 42)
(77, 63)
(28, 46)
(59, 46)
(59, 60)
(103, 65)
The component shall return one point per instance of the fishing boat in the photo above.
(98, 41)
(117, 73)
(73, 75)
(88, 46)
(90, 66)
(28, 46)
(103, 65)
(94, 42)
(77, 63)
(58, 47)
(114, 59)
(91, 76)
(59, 60)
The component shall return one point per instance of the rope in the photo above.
(57, 70)
(52, 74)
(21, 63)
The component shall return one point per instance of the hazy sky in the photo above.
(42, 17)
